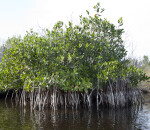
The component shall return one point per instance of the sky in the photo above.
(19, 16)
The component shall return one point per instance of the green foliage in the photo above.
(71, 57)
(136, 75)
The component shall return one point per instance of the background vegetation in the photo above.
(143, 64)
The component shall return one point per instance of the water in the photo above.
(17, 118)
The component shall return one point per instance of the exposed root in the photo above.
(117, 94)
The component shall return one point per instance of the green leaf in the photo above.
(87, 12)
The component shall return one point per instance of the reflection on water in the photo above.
(18, 118)
(143, 119)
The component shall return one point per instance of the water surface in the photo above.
(14, 117)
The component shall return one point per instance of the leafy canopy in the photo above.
(71, 57)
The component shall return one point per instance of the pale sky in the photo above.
(18, 16)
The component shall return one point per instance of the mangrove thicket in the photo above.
(71, 66)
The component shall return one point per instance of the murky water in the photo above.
(18, 118)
